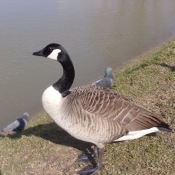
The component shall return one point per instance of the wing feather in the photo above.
(109, 114)
(108, 105)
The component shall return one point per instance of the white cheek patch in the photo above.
(54, 54)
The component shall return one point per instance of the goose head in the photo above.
(57, 52)
(53, 51)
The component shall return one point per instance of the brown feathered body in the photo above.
(97, 115)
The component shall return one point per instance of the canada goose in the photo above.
(107, 81)
(18, 125)
(92, 113)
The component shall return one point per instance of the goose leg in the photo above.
(86, 157)
(90, 170)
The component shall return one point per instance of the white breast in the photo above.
(53, 104)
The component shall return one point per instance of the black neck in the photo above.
(65, 82)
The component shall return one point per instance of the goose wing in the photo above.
(108, 105)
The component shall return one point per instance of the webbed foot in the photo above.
(92, 170)
(89, 170)
(85, 157)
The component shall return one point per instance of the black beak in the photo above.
(39, 53)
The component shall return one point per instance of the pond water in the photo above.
(96, 34)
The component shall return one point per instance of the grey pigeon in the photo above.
(18, 125)
(107, 81)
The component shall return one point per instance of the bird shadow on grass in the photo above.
(51, 132)
(172, 68)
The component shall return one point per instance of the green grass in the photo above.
(149, 81)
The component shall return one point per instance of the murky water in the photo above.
(96, 34)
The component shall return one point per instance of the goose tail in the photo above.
(164, 127)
